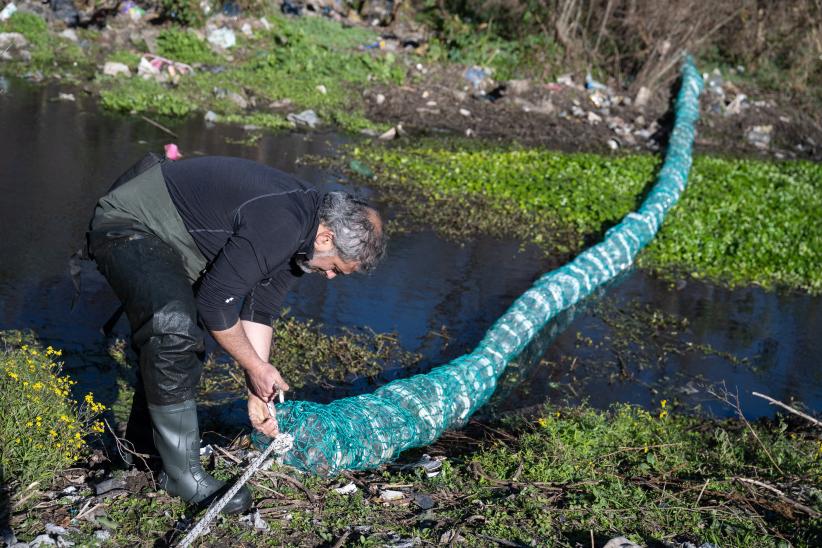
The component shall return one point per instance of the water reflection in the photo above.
(56, 158)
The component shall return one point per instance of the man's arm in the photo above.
(263, 379)
(259, 335)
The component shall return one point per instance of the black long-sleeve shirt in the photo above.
(249, 220)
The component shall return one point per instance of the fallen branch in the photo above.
(788, 408)
(810, 511)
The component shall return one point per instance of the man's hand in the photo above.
(264, 381)
(260, 417)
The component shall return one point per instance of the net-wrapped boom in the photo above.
(365, 431)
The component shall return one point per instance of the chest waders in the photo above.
(142, 248)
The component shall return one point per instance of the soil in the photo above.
(542, 116)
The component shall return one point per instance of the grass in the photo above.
(739, 222)
(313, 62)
(553, 479)
(48, 51)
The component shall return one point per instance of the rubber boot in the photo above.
(139, 433)
(177, 437)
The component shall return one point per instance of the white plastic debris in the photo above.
(760, 136)
(101, 535)
(69, 34)
(113, 68)
(346, 489)
(465, 112)
(620, 542)
(255, 520)
(222, 38)
(246, 29)
(613, 144)
(322, 89)
(210, 117)
(207, 450)
(389, 495)
(380, 98)
(8, 11)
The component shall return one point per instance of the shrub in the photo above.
(181, 45)
(42, 429)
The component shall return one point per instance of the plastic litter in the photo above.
(306, 118)
(478, 77)
(346, 489)
(66, 97)
(8, 11)
(173, 153)
(593, 85)
(290, 8)
(254, 519)
(134, 12)
(390, 495)
(222, 38)
(210, 117)
(620, 542)
(760, 136)
(360, 169)
(161, 69)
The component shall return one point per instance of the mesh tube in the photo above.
(365, 431)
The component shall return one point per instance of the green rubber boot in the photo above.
(177, 437)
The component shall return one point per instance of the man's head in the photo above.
(349, 237)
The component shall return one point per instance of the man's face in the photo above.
(329, 264)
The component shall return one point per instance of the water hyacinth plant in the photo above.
(42, 428)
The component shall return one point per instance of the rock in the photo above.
(350, 487)
(69, 34)
(42, 540)
(736, 106)
(425, 502)
(306, 118)
(613, 144)
(380, 98)
(567, 80)
(518, 87)
(593, 118)
(280, 103)
(210, 117)
(389, 495)
(642, 97)
(620, 542)
(109, 485)
(451, 537)
(223, 38)
(12, 40)
(431, 104)
(66, 97)
(465, 112)
(246, 30)
(322, 89)
(113, 68)
(65, 11)
(760, 136)
(577, 111)
(468, 133)
(238, 100)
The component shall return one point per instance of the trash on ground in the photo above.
(425, 502)
(161, 69)
(465, 112)
(479, 78)
(210, 117)
(759, 136)
(392, 133)
(348, 488)
(222, 38)
(8, 11)
(66, 96)
(322, 89)
(173, 153)
(620, 542)
(254, 519)
(306, 118)
(69, 34)
(134, 12)
(390, 495)
(109, 485)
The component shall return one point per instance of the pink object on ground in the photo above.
(172, 152)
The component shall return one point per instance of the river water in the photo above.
(57, 157)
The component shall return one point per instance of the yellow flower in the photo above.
(663, 414)
(663, 403)
(37, 386)
(13, 375)
(90, 398)
(542, 422)
(646, 448)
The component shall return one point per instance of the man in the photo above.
(214, 242)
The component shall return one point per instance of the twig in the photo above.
(342, 539)
(702, 491)
(121, 446)
(159, 126)
(810, 511)
(592, 539)
(227, 455)
(787, 407)
(295, 482)
(86, 512)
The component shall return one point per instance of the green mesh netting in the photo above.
(365, 431)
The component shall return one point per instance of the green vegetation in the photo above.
(42, 429)
(739, 221)
(47, 50)
(312, 62)
(185, 47)
(551, 480)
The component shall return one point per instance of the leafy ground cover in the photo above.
(739, 221)
(557, 478)
(314, 63)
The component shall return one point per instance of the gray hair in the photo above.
(357, 228)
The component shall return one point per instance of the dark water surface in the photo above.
(58, 157)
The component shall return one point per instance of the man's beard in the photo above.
(305, 264)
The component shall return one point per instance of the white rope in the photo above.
(281, 444)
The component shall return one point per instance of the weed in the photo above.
(184, 46)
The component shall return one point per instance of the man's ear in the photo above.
(324, 241)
